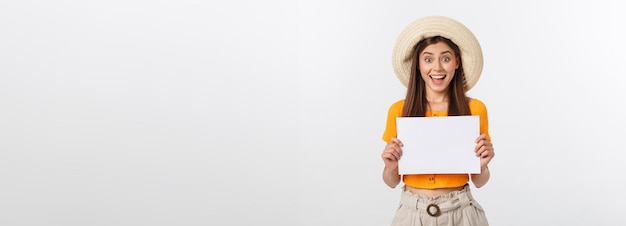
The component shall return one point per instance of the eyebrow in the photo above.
(447, 51)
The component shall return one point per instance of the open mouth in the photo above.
(438, 77)
(437, 80)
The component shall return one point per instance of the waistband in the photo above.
(434, 206)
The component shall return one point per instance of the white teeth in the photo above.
(437, 76)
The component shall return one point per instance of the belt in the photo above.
(435, 206)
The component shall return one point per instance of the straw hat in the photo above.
(471, 53)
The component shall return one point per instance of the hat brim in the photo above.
(430, 26)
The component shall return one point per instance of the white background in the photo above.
(185, 112)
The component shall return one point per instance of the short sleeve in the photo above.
(395, 110)
(478, 108)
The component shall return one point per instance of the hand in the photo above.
(392, 153)
(484, 150)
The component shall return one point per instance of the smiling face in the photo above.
(437, 64)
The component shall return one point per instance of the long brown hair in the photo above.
(416, 104)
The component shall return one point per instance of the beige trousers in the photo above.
(457, 208)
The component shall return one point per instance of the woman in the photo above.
(438, 59)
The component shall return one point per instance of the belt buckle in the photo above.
(437, 210)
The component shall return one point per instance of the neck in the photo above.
(437, 99)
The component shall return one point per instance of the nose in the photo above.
(438, 65)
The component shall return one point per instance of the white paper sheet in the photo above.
(438, 145)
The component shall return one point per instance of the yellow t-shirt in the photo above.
(432, 181)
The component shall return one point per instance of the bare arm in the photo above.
(481, 179)
(390, 156)
(391, 177)
(484, 150)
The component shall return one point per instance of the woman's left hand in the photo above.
(484, 150)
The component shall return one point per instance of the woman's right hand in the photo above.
(392, 153)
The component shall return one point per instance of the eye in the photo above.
(446, 59)
(428, 60)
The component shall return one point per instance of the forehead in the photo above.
(437, 48)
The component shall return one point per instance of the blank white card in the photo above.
(438, 145)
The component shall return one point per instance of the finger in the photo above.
(390, 147)
(481, 137)
(388, 156)
(395, 147)
(479, 146)
(487, 153)
(396, 141)
(397, 152)
(396, 156)
(390, 153)
(481, 154)
(483, 143)
(481, 151)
